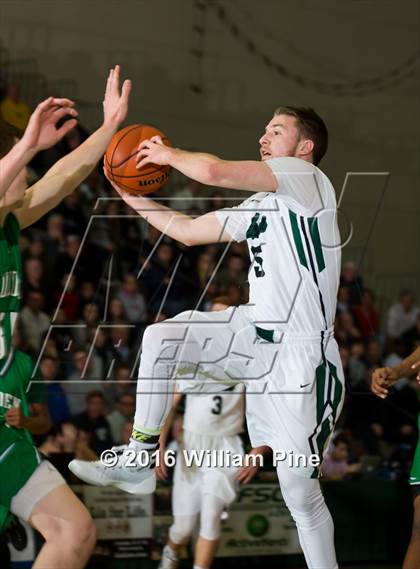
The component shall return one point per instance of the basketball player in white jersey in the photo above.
(282, 343)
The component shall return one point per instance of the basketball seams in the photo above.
(119, 142)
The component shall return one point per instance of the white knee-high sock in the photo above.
(313, 520)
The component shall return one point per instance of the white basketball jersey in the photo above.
(295, 249)
(215, 415)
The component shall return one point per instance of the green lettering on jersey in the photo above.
(257, 226)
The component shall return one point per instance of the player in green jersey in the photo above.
(33, 489)
(382, 379)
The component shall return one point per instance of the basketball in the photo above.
(120, 161)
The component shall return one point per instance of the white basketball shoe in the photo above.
(122, 467)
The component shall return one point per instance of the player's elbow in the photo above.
(187, 240)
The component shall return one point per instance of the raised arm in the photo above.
(71, 170)
(247, 175)
(187, 230)
(41, 133)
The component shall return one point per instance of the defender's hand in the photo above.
(41, 132)
(382, 379)
(115, 101)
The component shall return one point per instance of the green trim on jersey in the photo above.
(415, 467)
(267, 335)
(10, 281)
(19, 386)
(298, 238)
(316, 242)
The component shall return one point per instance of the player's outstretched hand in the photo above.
(41, 131)
(153, 150)
(382, 379)
(116, 100)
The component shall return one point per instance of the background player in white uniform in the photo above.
(282, 342)
(200, 493)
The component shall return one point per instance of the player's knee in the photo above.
(210, 519)
(210, 528)
(182, 528)
(79, 534)
(305, 501)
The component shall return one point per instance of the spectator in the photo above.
(33, 272)
(58, 407)
(100, 352)
(34, 321)
(125, 433)
(71, 209)
(66, 259)
(335, 465)
(120, 349)
(205, 268)
(411, 338)
(373, 355)
(343, 299)
(187, 198)
(133, 301)
(65, 439)
(235, 272)
(158, 275)
(67, 297)
(12, 109)
(350, 278)
(123, 412)
(218, 201)
(402, 316)
(93, 421)
(357, 365)
(116, 311)
(61, 439)
(366, 316)
(345, 330)
(121, 385)
(81, 381)
(88, 295)
(89, 323)
(235, 295)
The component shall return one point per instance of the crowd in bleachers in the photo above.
(100, 275)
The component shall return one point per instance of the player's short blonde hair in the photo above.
(310, 125)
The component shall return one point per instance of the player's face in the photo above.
(281, 138)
